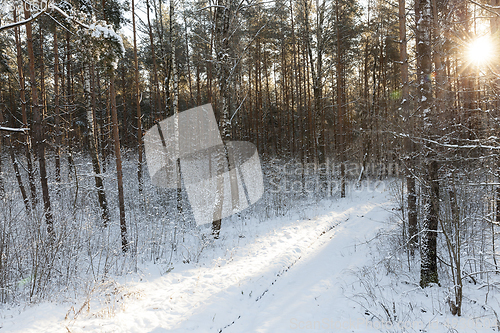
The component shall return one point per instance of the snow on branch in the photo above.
(97, 30)
(10, 129)
(447, 145)
(211, 6)
(66, 15)
(109, 33)
(23, 22)
(34, 17)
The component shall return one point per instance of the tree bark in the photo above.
(57, 120)
(24, 113)
(222, 36)
(137, 103)
(405, 106)
(90, 107)
(340, 102)
(118, 156)
(428, 269)
(38, 133)
(175, 109)
(157, 103)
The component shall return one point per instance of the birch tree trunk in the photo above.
(224, 13)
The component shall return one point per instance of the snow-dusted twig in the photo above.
(63, 13)
(23, 22)
(238, 108)
(10, 129)
(447, 145)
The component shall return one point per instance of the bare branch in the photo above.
(23, 22)
(10, 129)
(488, 8)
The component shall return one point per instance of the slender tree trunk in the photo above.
(294, 84)
(157, 103)
(188, 62)
(19, 179)
(340, 102)
(456, 250)
(38, 133)
(57, 120)
(69, 103)
(175, 109)
(495, 28)
(90, 107)
(137, 103)
(15, 164)
(118, 156)
(24, 113)
(198, 85)
(405, 106)
(2, 123)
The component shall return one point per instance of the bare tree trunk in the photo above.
(90, 107)
(19, 179)
(428, 270)
(222, 36)
(318, 83)
(2, 123)
(198, 87)
(175, 109)
(316, 78)
(118, 156)
(340, 102)
(155, 67)
(294, 84)
(27, 138)
(38, 133)
(188, 62)
(495, 28)
(137, 103)
(456, 250)
(221, 48)
(57, 120)
(405, 106)
(15, 164)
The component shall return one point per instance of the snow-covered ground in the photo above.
(285, 275)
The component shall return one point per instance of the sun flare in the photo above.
(481, 51)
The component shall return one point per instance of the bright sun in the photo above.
(481, 51)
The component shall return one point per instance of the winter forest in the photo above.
(345, 101)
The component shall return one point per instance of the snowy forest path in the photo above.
(281, 280)
(316, 265)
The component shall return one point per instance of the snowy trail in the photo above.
(310, 291)
(285, 278)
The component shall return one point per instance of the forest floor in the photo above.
(322, 273)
